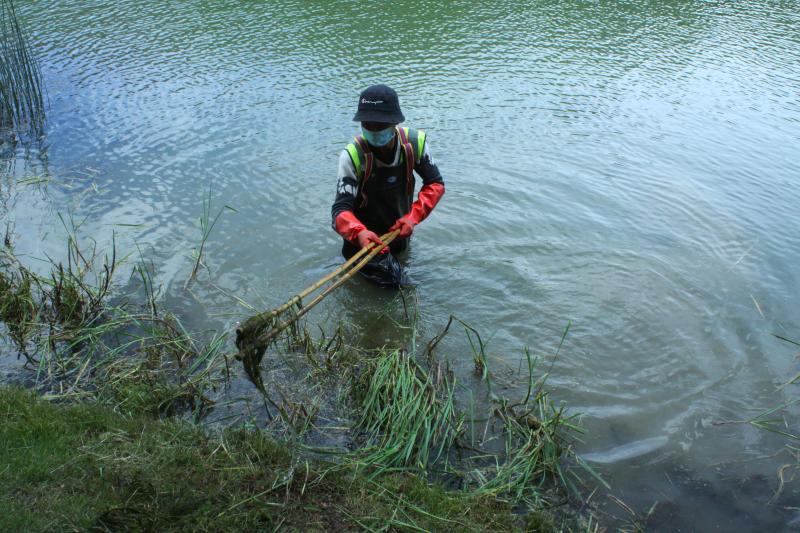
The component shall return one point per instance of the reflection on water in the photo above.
(630, 168)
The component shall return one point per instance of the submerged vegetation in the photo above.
(774, 420)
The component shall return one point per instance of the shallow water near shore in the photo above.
(629, 168)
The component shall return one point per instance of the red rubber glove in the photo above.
(367, 237)
(427, 199)
(348, 226)
(429, 195)
(405, 226)
(353, 230)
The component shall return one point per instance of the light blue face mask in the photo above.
(378, 138)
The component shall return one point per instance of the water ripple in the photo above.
(631, 168)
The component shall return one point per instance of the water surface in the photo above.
(629, 167)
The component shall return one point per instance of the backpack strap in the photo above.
(363, 160)
(417, 140)
(411, 159)
(412, 142)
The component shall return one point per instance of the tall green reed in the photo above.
(206, 226)
(406, 416)
(22, 94)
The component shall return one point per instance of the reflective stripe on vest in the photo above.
(417, 140)
(355, 157)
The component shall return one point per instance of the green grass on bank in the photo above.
(74, 466)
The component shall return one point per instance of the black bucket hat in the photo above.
(379, 103)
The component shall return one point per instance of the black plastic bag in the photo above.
(385, 271)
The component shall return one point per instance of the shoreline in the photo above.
(110, 432)
(88, 467)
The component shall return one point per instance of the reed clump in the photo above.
(80, 343)
(534, 453)
(406, 417)
(18, 310)
(22, 98)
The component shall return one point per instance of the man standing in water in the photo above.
(376, 176)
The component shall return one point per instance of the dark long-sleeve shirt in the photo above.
(386, 191)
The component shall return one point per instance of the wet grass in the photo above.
(81, 467)
(405, 418)
(77, 344)
(121, 459)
